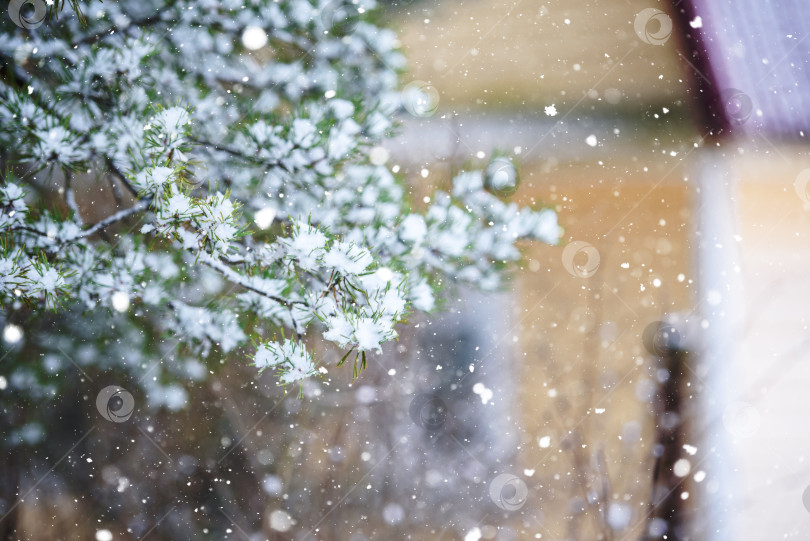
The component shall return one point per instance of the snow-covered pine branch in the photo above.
(235, 138)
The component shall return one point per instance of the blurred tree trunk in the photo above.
(671, 428)
(9, 490)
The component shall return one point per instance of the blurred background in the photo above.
(580, 403)
(611, 129)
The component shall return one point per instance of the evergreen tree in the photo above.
(212, 171)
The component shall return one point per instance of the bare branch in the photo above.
(140, 206)
(218, 265)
